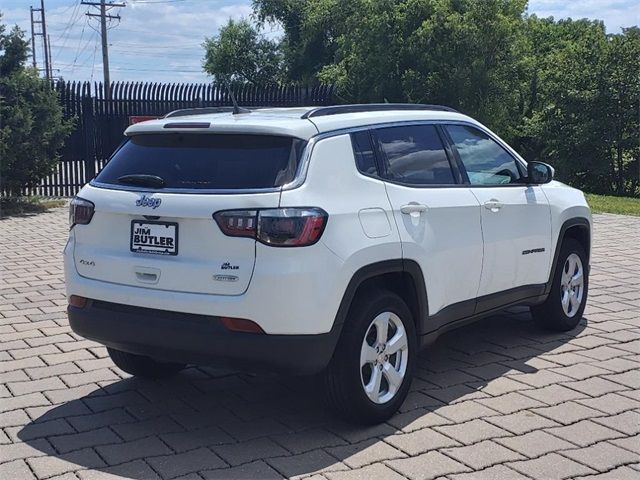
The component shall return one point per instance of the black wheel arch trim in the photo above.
(570, 223)
(458, 314)
(377, 269)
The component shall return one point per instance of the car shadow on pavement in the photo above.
(231, 425)
(11, 208)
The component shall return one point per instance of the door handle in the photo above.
(413, 208)
(493, 205)
(147, 277)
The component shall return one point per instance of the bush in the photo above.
(32, 127)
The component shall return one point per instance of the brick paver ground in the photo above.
(498, 399)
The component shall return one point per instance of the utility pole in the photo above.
(104, 6)
(45, 39)
(49, 56)
(48, 67)
(105, 48)
(33, 40)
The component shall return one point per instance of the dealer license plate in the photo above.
(160, 238)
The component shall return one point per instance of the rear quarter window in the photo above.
(364, 153)
(207, 161)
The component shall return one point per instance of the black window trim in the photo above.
(462, 181)
(376, 158)
(459, 173)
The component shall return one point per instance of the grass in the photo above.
(28, 205)
(611, 204)
(36, 204)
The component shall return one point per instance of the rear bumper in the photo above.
(199, 339)
(292, 291)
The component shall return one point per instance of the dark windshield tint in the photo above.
(204, 161)
(415, 155)
(363, 151)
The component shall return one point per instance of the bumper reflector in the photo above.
(77, 301)
(241, 325)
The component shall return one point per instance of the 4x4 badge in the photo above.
(145, 201)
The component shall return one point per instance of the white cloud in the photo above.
(152, 41)
(162, 41)
(615, 13)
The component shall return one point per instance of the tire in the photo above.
(563, 308)
(345, 377)
(141, 366)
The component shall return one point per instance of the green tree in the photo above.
(32, 128)
(240, 55)
(621, 109)
(580, 102)
(460, 53)
(562, 91)
(311, 29)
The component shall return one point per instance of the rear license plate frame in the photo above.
(157, 250)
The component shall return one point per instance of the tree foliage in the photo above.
(564, 92)
(581, 103)
(32, 128)
(239, 55)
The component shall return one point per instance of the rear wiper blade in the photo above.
(143, 180)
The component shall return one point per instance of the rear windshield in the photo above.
(204, 161)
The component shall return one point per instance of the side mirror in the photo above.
(539, 173)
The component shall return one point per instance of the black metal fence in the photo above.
(99, 122)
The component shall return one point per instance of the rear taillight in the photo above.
(291, 227)
(80, 211)
(278, 227)
(237, 223)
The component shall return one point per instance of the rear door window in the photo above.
(207, 161)
(415, 155)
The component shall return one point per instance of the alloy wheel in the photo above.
(384, 357)
(572, 285)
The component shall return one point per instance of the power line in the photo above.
(161, 34)
(93, 63)
(73, 20)
(156, 1)
(137, 53)
(75, 58)
(80, 52)
(146, 46)
(104, 16)
(177, 70)
(137, 64)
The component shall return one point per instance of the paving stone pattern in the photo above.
(498, 399)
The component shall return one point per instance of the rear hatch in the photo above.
(153, 224)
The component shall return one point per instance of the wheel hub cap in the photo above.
(384, 357)
(572, 285)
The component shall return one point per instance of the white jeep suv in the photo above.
(337, 239)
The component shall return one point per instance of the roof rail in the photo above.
(372, 107)
(204, 110)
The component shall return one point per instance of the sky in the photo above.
(161, 40)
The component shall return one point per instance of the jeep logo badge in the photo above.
(145, 201)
